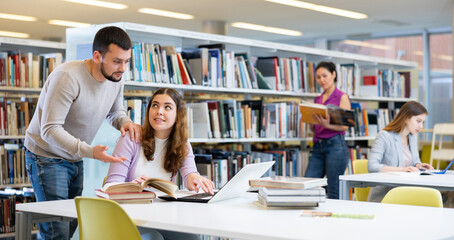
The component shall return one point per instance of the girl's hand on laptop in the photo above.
(424, 166)
(195, 181)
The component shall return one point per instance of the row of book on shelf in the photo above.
(221, 165)
(12, 163)
(15, 116)
(368, 122)
(214, 66)
(8, 200)
(26, 69)
(234, 119)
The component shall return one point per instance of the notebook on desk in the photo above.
(425, 172)
(233, 188)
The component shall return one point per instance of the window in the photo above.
(410, 48)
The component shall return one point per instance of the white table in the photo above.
(443, 182)
(240, 218)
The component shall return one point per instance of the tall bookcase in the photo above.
(18, 93)
(79, 40)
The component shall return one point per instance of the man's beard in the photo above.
(111, 77)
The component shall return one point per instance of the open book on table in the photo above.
(138, 185)
(338, 116)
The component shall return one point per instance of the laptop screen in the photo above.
(446, 169)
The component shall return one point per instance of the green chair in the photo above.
(418, 196)
(104, 219)
(360, 166)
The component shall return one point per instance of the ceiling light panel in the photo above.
(321, 8)
(67, 23)
(17, 17)
(266, 29)
(164, 13)
(14, 34)
(99, 4)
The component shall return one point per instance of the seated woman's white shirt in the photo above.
(155, 168)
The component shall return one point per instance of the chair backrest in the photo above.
(442, 153)
(419, 196)
(360, 166)
(104, 219)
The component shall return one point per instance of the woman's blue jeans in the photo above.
(55, 179)
(329, 157)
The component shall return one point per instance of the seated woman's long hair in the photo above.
(177, 143)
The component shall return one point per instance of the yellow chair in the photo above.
(104, 219)
(442, 153)
(418, 196)
(425, 156)
(360, 166)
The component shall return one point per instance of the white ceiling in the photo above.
(384, 16)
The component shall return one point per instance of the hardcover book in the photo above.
(288, 182)
(125, 195)
(338, 116)
(262, 202)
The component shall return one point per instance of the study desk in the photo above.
(240, 218)
(443, 182)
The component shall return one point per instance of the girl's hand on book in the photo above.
(195, 181)
(99, 153)
(322, 121)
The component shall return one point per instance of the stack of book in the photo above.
(283, 191)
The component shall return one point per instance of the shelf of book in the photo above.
(244, 140)
(380, 99)
(132, 85)
(12, 137)
(32, 43)
(18, 185)
(364, 138)
(141, 31)
(164, 55)
(22, 90)
(24, 66)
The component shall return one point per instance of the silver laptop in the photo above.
(232, 189)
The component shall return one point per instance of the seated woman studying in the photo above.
(163, 151)
(395, 148)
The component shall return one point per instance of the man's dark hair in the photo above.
(107, 35)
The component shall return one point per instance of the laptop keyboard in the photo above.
(199, 196)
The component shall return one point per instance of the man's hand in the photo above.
(195, 181)
(134, 131)
(99, 153)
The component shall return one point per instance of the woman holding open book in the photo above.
(396, 148)
(164, 149)
(330, 152)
